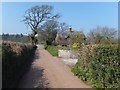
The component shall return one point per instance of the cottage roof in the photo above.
(64, 33)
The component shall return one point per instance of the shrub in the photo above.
(77, 37)
(15, 58)
(76, 46)
(99, 66)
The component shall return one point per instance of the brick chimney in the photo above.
(70, 29)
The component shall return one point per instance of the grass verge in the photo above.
(53, 50)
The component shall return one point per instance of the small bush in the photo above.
(77, 37)
(76, 46)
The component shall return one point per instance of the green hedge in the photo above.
(15, 59)
(100, 67)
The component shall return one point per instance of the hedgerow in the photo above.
(99, 66)
(15, 59)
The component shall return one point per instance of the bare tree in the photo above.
(63, 27)
(37, 15)
(50, 29)
(108, 32)
(101, 35)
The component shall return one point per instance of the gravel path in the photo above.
(49, 72)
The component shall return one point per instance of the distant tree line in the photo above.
(16, 38)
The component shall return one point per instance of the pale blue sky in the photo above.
(80, 15)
